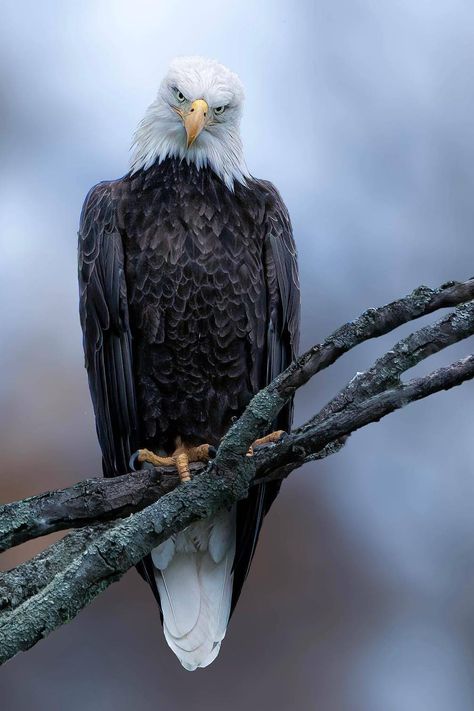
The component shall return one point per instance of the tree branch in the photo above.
(266, 405)
(49, 590)
(29, 578)
(299, 449)
(86, 502)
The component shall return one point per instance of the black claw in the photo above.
(212, 452)
(134, 462)
(136, 466)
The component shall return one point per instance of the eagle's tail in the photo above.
(193, 572)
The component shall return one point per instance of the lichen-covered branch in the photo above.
(404, 355)
(83, 503)
(110, 554)
(373, 323)
(300, 447)
(120, 520)
(29, 578)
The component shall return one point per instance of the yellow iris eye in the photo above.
(219, 110)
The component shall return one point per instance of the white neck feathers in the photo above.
(160, 136)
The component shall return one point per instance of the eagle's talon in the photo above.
(146, 456)
(272, 438)
(133, 461)
(182, 465)
(181, 458)
(138, 462)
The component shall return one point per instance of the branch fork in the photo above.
(116, 522)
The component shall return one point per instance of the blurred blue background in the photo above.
(361, 596)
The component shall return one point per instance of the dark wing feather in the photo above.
(107, 338)
(282, 340)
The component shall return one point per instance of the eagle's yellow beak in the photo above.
(195, 119)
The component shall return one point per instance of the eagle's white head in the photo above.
(195, 117)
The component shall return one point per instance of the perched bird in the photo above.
(189, 305)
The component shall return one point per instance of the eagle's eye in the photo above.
(180, 96)
(219, 110)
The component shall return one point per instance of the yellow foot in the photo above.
(268, 439)
(181, 458)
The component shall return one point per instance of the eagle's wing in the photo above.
(103, 307)
(107, 338)
(282, 340)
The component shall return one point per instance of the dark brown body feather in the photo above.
(189, 305)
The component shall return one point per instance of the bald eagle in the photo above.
(189, 305)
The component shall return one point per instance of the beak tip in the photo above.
(195, 120)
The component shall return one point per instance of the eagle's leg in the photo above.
(181, 458)
(184, 455)
(268, 439)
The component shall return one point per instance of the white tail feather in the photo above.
(193, 572)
